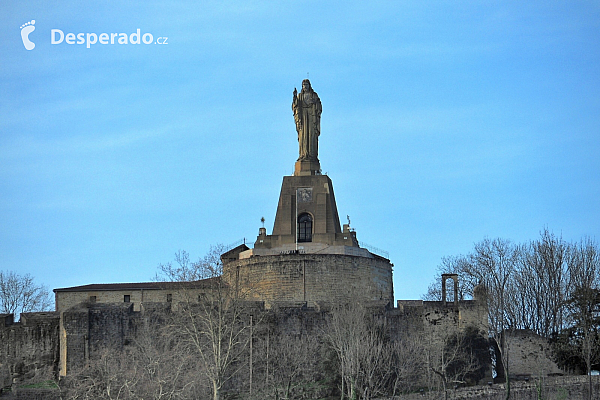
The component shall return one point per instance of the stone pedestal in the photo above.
(314, 194)
(307, 167)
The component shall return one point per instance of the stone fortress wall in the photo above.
(311, 278)
(29, 349)
(530, 355)
(89, 328)
(445, 317)
(44, 345)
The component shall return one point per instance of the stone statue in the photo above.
(307, 114)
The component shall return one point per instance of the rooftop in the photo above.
(95, 287)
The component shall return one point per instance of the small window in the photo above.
(92, 299)
(169, 297)
(126, 298)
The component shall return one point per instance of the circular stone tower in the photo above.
(307, 260)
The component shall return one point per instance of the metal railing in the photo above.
(235, 244)
(374, 250)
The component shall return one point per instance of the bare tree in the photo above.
(408, 363)
(584, 303)
(286, 364)
(492, 263)
(449, 359)
(189, 351)
(540, 285)
(185, 270)
(531, 286)
(364, 351)
(533, 282)
(159, 369)
(149, 368)
(103, 378)
(213, 326)
(376, 359)
(19, 294)
(344, 332)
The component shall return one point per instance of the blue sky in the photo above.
(443, 123)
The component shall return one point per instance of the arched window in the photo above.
(304, 228)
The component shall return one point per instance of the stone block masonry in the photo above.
(29, 348)
(311, 278)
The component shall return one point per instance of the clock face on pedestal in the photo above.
(304, 195)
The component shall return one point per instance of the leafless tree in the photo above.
(19, 294)
(193, 351)
(214, 327)
(529, 286)
(457, 357)
(376, 359)
(534, 281)
(186, 270)
(364, 353)
(492, 263)
(285, 363)
(149, 368)
(540, 285)
(408, 363)
(450, 352)
(584, 304)
(161, 369)
(103, 378)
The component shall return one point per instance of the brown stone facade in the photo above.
(311, 278)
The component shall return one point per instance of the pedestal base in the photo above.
(307, 167)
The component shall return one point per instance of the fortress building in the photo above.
(307, 264)
(308, 259)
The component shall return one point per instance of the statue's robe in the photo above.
(307, 114)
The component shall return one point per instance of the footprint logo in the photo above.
(26, 29)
